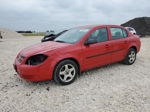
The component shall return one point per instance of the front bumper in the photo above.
(33, 73)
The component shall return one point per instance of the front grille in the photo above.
(20, 58)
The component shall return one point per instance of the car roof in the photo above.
(97, 26)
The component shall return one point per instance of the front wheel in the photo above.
(131, 57)
(66, 72)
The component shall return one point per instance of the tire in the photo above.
(131, 57)
(66, 72)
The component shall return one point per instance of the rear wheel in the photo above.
(131, 57)
(66, 72)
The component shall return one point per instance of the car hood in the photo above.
(42, 47)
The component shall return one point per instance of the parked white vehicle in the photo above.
(132, 30)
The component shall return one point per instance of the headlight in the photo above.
(20, 58)
(36, 59)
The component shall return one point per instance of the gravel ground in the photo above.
(112, 88)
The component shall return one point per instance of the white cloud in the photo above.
(58, 14)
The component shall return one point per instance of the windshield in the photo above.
(72, 36)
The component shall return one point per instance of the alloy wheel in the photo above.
(132, 56)
(67, 73)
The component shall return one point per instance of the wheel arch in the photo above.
(68, 58)
(134, 47)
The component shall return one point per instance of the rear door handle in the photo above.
(107, 45)
(125, 41)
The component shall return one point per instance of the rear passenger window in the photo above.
(100, 35)
(118, 33)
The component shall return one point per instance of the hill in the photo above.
(141, 25)
(7, 33)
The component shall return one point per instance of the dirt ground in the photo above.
(112, 88)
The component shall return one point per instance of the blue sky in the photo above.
(42, 15)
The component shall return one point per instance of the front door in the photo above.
(97, 54)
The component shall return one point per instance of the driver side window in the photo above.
(99, 35)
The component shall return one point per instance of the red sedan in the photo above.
(76, 50)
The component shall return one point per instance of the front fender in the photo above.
(59, 58)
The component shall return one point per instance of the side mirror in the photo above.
(90, 41)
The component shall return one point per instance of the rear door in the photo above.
(97, 54)
(119, 42)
